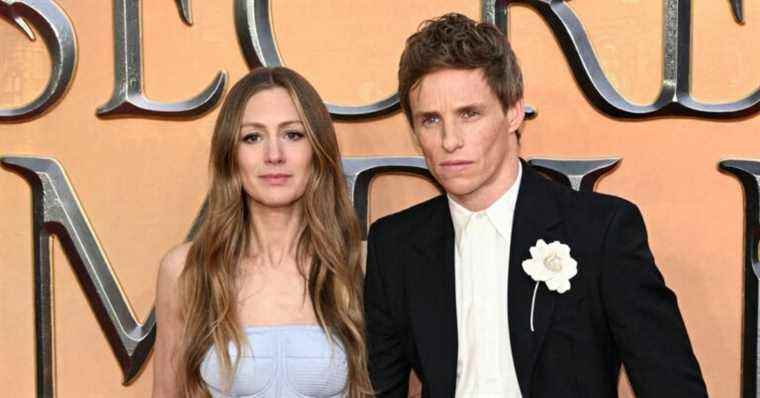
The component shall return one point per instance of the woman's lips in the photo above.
(275, 178)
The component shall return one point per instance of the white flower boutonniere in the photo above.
(550, 263)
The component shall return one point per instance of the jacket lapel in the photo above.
(433, 296)
(537, 216)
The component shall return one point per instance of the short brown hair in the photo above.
(454, 41)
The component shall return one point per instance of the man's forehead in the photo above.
(454, 86)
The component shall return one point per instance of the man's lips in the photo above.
(275, 178)
(455, 165)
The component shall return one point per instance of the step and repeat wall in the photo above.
(106, 119)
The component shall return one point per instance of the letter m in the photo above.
(56, 210)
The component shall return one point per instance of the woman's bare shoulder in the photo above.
(171, 267)
(174, 261)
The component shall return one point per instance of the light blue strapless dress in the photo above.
(286, 361)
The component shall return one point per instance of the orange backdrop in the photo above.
(142, 181)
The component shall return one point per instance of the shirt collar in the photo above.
(500, 213)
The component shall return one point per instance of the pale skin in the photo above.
(275, 158)
(469, 142)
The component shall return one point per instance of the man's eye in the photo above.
(469, 114)
(251, 138)
(430, 120)
(294, 135)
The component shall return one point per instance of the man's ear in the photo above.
(516, 115)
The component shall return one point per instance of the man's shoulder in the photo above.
(597, 202)
(588, 205)
(411, 219)
(591, 219)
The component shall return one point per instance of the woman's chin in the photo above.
(276, 201)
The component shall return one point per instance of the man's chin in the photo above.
(459, 189)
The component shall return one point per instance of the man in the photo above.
(510, 285)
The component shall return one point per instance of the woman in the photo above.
(274, 271)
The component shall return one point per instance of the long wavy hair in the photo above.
(328, 250)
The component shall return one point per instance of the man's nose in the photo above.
(452, 137)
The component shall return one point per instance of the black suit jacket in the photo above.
(618, 308)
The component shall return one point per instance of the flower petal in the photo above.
(571, 269)
(535, 252)
(564, 285)
(535, 269)
(554, 283)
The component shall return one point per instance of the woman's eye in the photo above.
(294, 135)
(251, 137)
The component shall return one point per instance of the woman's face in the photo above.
(274, 154)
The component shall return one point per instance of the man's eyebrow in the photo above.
(473, 105)
(421, 114)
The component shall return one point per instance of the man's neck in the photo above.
(491, 190)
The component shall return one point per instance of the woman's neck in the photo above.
(275, 232)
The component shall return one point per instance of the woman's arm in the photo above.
(168, 323)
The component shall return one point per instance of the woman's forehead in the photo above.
(272, 106)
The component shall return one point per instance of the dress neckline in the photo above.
(288, 326)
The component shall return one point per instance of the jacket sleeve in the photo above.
(388, 366)
(643, 314)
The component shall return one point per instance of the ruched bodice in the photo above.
(281, 362)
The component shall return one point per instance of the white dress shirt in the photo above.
(485, 366)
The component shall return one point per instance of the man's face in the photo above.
(469, 142)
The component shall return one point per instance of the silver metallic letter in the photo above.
(748, 173)
(60, 40)
(580, 175)
(675, 97)
(738, 8)
(254, 30)
(359, 172)
(56, 210)
(127, 98)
